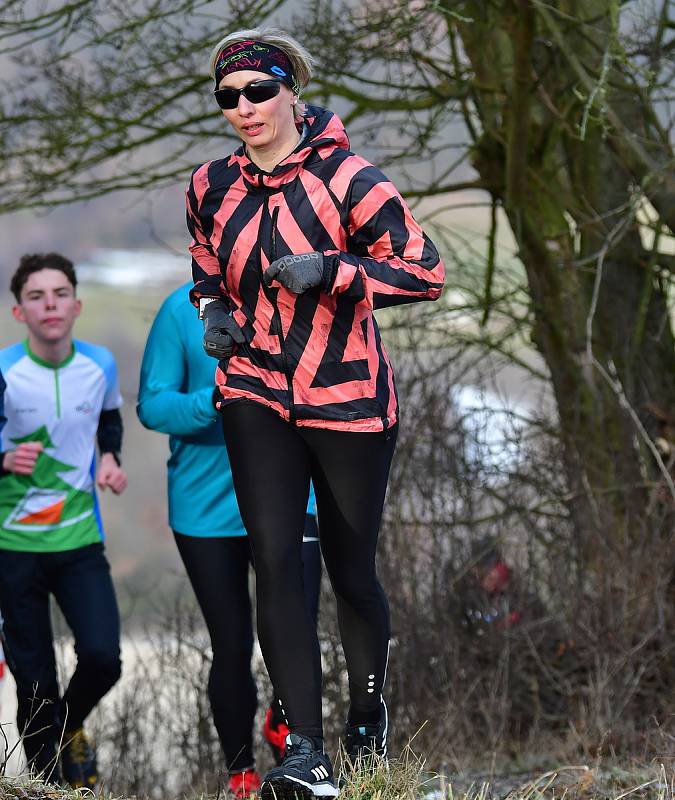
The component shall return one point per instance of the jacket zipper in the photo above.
(280, 331)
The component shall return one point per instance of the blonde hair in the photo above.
(301, 60)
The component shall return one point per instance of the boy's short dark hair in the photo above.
(34, 263)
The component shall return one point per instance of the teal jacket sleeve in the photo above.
(163, 403)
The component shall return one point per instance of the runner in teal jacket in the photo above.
(175, 397)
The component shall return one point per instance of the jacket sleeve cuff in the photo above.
(331, 262)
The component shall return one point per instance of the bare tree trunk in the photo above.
(602, 323)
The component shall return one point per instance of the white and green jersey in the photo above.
(55, 508)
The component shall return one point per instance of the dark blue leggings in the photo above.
(272, 462)
(80, 582)
(218, 569)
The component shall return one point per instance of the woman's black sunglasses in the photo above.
(256, 92)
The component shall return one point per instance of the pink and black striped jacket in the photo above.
(316, 358)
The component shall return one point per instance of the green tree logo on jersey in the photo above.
(42, 501)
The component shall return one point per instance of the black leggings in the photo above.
(272, 463)
(218, 571)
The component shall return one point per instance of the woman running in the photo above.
(295, 242)
(175, 397)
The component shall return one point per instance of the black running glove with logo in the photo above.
(297, 273)
(221, 332)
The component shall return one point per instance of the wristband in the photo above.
(115, 455)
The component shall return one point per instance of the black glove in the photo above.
(297, 273)
(221, 332)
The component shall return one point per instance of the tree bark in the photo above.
(601, 317)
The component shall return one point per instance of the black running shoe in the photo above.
(305, 773)
(78, 760)
(362, 742)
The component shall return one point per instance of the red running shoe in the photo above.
(275, 736)
(244, 784)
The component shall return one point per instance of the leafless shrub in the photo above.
(154, 732)
(576, 648)
(573, 643)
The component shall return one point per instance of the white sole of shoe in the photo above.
(289, 788)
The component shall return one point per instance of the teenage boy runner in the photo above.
(58, 397)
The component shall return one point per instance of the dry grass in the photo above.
(400, 779)
(406, 779)
(23, 788)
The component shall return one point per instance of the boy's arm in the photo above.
(23, 457)
(22, 460)
(110, 432)
(110, 474)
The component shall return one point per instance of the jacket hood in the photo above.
(325, 129)
(325, 133)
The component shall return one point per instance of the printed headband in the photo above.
(258, 56)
